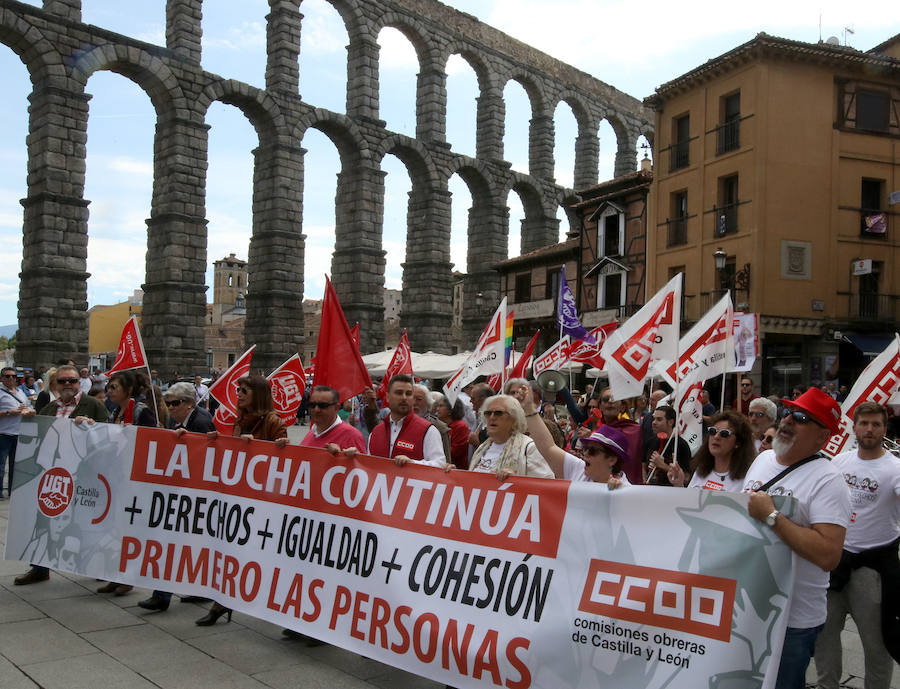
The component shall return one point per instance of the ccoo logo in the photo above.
(55, 491)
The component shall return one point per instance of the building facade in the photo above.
(780, 157)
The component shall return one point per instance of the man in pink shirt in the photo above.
(326, 428)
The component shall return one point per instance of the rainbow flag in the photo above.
(509, 335)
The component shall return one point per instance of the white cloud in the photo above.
(246, 36)
(132, 166)
(323, 31)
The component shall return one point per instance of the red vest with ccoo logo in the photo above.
(410, 441)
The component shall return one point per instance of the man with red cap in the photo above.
(813, 527)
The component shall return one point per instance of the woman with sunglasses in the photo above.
(508, 451)
(256, 420)
(768, 437)
(722, 462)
(126, 390)
(603, 453)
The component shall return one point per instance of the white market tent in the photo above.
(429, 364)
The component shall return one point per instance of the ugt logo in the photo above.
(635, 353)
(55, 491)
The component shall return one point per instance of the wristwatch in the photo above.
(770, 520)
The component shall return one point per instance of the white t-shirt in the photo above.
(573, 470)
(874, 486)
(822, 498)
(714, 481)
(488, 461)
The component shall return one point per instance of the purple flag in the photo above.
(567, 314)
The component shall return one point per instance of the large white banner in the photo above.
(457, 577)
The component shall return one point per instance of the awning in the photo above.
(869, 345)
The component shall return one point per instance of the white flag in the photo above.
(651, 333)
(877, 383)
(487, 358)
(706, 350)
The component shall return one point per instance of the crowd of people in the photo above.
(845, 531)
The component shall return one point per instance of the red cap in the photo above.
(820, 405)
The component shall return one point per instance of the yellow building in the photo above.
(784, 155)
(105, 325)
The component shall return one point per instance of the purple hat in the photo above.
(612, 439)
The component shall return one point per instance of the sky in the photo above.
(633, 52)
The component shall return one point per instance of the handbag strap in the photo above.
(796, 465)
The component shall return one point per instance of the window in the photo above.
(728, 135)
(873, 221)
(727, 209)
(868, 292)
(873, 111)
(611, 229)
(552, 284)
(611, 289)
(679, 155)
(523, 287)
(677, 219)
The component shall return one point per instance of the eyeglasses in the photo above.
(321, 405)
(173, 403)
(66, 381)
(606, 399)
(488, 413)
(591, 449)
(768, 439)
(110, 386)
(723, 433)
(801, 417)
(10, 375)
(757, 414)
(746, 385)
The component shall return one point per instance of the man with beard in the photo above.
(404, 435)
(816, 526)
(866, 582)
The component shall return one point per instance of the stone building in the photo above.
(61, 54)
(779, 158)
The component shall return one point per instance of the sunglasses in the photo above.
(173, 403)
(801, 417)
(591, 450)
(321, 405)
(606, 399)
(10, 375)
(66, 381)
(746, 385)
(723, 433)
(768, 439)
(757, 414)
(494, 412)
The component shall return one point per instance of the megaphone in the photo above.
(551, 381)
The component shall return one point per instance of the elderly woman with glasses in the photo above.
(723, 460)
(507, 451)
(256, 420)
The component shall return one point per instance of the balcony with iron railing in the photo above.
(726, 219)
(871, 306)
(679, 155)
(728, 136)
(677, 231)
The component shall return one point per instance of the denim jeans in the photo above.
(799, 646)
(7, 451)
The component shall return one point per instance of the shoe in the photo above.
(154, 603)
(215, 612)
(122, 589)
(31, 577)
(195, 599)
(108, 587)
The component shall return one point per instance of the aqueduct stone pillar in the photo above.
(174, 311)
(357, 265)
(431, 104)
(283, 46)
(427, 278)
(53, 288)
(275, 266)
(538, 231)
(184, 28)
(489, 124)
(540, 146)
(362, 78)
(587, 157)
(626, 154)
(488, 223)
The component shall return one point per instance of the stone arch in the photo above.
(477, 176)
(626, 141)
(581, 110)
(540, 126)
(412, 30)
(340, 129)
(587, 145)
(540, 226)
(40, 57)
(473, 57)
(147, 71)
(355, 22)
(414, 155)
(257, 106)
(533, 88)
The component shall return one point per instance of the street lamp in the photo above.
(720, 257)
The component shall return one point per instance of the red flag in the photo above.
(495, 381)
(400, 363)
(288, 383)
(224, 420)
(522, 364)
(338, 363)
(131, 350)
(354, 334)
(224, 388)
(582, 352)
